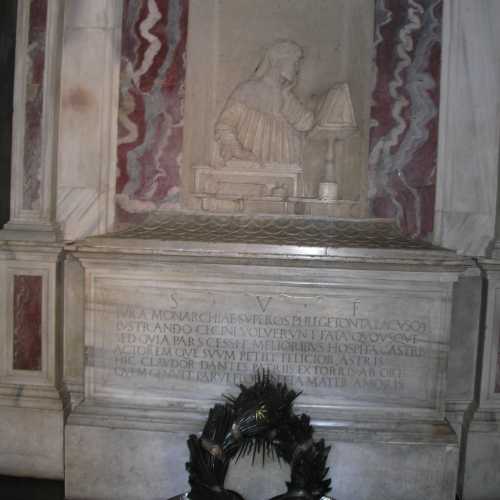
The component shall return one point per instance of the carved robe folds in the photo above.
(263, 123)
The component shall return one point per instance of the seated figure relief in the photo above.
(263, 121)
(261, 163)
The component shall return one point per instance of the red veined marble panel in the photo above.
(151, 107)
(404, 112)
(35, 66)
(27, 315)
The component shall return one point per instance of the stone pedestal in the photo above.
(184, 308)
(482, 451)
(31, 408)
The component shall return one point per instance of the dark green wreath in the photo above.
(259, 420)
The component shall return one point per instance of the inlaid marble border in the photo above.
(35, 55)
(36, 105)
(43, 266)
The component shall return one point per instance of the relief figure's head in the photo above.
(282, 60)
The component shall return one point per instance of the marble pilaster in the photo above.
(34, 147)
(30, 403)
(31, 407)
(469, 127)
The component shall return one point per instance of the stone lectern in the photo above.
(335, 123)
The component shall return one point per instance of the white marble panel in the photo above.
(464, 341)
(79, 208)
(88, 117)
(73, 328)
(90, 13)
(469, 129)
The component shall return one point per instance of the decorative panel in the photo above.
(27, 317)
(497, 379)
(404, 114)
(151, 108)
(34, 104)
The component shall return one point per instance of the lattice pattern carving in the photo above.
(300, 231)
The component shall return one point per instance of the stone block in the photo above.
(482, 459)
(31, 442)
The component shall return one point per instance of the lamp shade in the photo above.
(335, 117)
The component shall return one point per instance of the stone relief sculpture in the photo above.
(258, 165)
(263, 120)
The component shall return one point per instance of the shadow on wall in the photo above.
(16, 488)
(8, 9)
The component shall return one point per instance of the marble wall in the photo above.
(404, 116)
(34, 104)
(151, 108)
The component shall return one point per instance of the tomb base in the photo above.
(184, 308)
(115, 453)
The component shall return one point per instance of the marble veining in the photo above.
(404, 112)
(151, 107)
(27, 322)
(34, 104)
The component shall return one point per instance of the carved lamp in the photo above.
(335, 123)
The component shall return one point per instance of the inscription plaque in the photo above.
(152, 343)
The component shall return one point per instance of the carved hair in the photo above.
(281, 49)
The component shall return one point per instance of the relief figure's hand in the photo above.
(234, 150)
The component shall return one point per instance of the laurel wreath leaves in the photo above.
(259, 421)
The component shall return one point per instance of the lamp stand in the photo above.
(328, 187)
